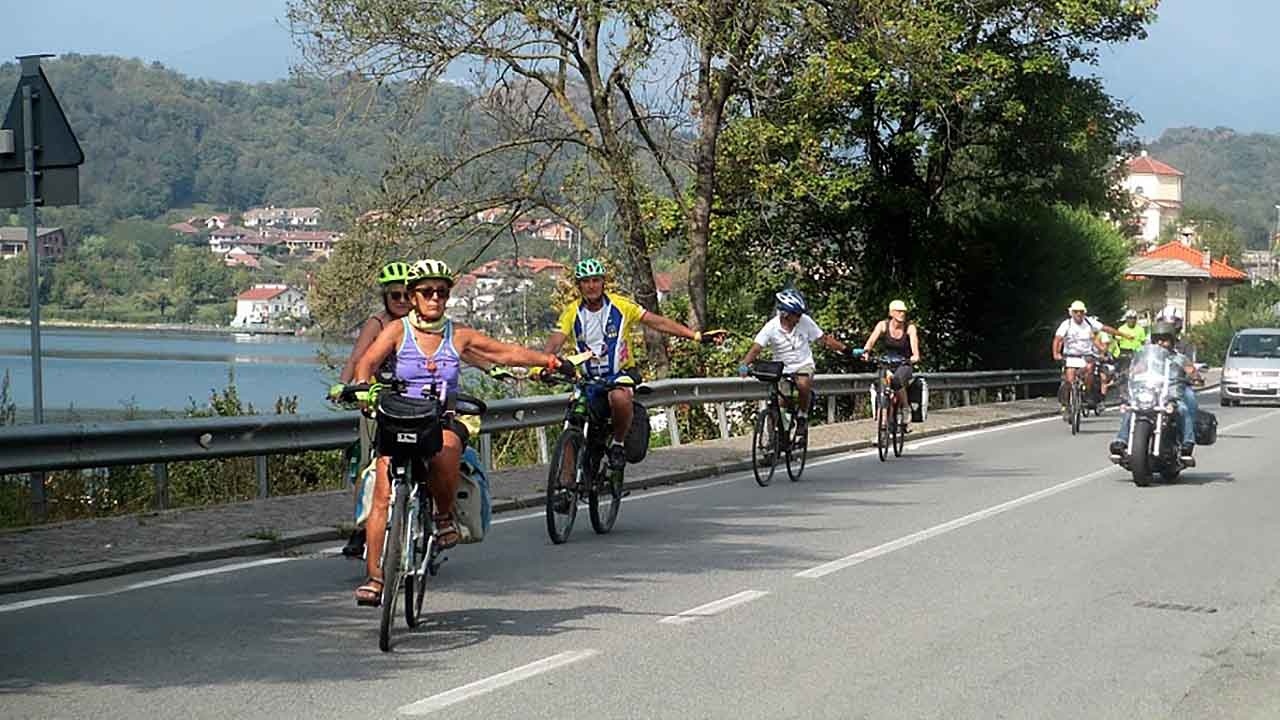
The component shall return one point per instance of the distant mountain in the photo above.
(155, 139)
(1237, 173)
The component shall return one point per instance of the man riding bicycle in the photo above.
(599, 323)
(1079, 337)
(789, 335)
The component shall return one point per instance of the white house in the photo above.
(282, 217)
(1157, 194)
(270, 304)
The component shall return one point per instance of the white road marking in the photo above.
(38, 602)
(946, 527)
(201, 573)
(494, 682)
(713, 608)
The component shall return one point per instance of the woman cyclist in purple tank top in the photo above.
(427, 349)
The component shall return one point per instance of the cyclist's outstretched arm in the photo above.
(496, 351)
(383, 346)
(667, 325)
(915, 343)
(554, 343)
(833, 344)
(368, 333)
(875, 335)
(752, 354)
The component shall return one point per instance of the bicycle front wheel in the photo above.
(393, 563)
(562, 486)
(797, 449)
(1077, 409)
(764, 446)
(605, 497)
(882, 429)
(415, 580)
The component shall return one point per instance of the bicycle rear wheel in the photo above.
(764, 446)
(797, 449)
(605, 497)
(562, 486)
(415, 580)
(393, 564)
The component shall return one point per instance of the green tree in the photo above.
(1212, 230)
(200, 275)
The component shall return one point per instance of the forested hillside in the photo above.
(1235, 173)
(155, 139)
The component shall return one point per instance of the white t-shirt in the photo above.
(1078, 336)
(792, 349)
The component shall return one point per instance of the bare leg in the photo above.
(376, 525)
(621, 411)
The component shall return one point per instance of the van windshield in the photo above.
(1263, 346)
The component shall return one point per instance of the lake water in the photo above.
(163, 370)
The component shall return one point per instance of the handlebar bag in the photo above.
(409, 426)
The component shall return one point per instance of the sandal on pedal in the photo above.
(370, 593)
(446, 531)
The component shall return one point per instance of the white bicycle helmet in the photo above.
(790, 300)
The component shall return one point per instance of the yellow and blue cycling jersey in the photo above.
(604, 333)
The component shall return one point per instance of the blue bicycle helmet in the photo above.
(790, 300)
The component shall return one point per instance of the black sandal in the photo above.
(370, 593)
(446, 531)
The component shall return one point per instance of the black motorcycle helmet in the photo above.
(1164, 329)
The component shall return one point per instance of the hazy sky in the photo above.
(1205, 63)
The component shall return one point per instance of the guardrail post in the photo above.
(673, 426)
(39, 503)
(260, 469)
(486, 451)
(831, 409)
(541, 432)
(964, 397)
(161, 473)
(723, 417)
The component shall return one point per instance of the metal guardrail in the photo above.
(37, 449)
(69, 446)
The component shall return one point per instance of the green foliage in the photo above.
(8, 408)
(1214, 230)
(1245, 306)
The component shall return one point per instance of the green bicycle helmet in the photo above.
(588, 268)
(393, 272)
(430, 270)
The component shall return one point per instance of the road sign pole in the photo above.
(39, 503)
(33, 254)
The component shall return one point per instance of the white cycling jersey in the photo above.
(1077, 337)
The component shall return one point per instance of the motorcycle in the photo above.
(1152, 399)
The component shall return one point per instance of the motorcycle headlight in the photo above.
(1144, 397)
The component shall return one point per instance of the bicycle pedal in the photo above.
(625, 493)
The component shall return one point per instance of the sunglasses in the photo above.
(397, 296)
(441, 293)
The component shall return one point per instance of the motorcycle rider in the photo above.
(1165, 334)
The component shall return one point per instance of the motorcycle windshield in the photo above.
(1152, 374)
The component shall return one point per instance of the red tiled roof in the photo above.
(1147, 165)
(232, 231)
(1218, 269)
(185, 228)
(498, 267)
(262, 293)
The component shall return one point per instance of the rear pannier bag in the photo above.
(918, 396)
(409, 426)
(1206, 427)
(636, 443)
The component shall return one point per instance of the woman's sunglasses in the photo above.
(441, 293)
(398, 296)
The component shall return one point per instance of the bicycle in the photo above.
(1075, 391)
(891, 425)
(766, 442)
(409, 432)
(580, 464)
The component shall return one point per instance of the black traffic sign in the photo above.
(58, 153)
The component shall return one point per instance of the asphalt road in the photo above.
(1011, 572)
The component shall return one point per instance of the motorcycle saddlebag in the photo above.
(1206, 427)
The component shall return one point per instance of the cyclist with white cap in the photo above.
(1075, 344)
(789, 336)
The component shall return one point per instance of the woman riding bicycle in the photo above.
(901, 340)
(427, 349)
(395, 305)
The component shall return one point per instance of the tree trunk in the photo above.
(704, 187)
(642, 285)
